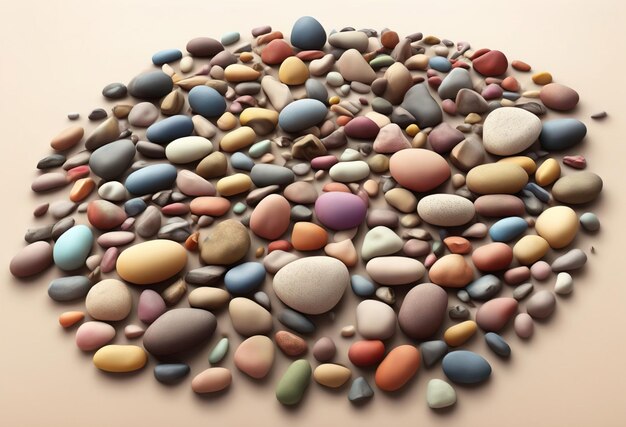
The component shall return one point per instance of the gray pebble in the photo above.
(484, 288)
(458, 312)
(463, 295)
(497, 344)
(600, 115)
(522, 291)
(149, 222)
(61, 227)
(114, 91)
(301, 213)
(571, 260)
(432, 352)
(69, 288)
(39, 233)
(590, 221)
(263, 300)
(360, 391)
(296, 321)
(51, 161)
(97, 114)
(205, 276)
(73, 116)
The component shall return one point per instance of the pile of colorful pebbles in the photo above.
(259, 183)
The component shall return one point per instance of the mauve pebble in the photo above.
(143, 114)
(31, 260)
(540, 270)
(523, 325)
(541, 304)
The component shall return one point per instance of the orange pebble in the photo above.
(307, 236)
(246, 57)
(510, 83)
(209, 205)
(336, 186)
(279, 245)
(458, 245)
(397, 368)
(70, 318)
(520, 65)
(343, 120)
(81, 189)
(389, 39)
(191, 244)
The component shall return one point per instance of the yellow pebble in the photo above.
(334, 100)
(542, 78)
(246, 57)
(293, 71)
(458, 334)
(526, 163)
(548, 172)
(412, 130)
(234, 184)
(227, 121)
(473, 118)
(530, 249)
(120, 358)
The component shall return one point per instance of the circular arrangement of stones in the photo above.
(245, 181)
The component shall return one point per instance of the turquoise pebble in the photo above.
(561, 134)
(151, 179)
(260, 148)
(244, 278)
(240, 161)
(230, 38)
(590, 221)
(507, 229)
(169, 129)
(381, 61)
(166, 55)
(465, 367)
(361, 286)
(72, 248)
(206, 101)
(239, 208)
(219, 351)
(440, 63)
(301, 114)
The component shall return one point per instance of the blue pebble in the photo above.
(166, 55)
(308, 34)
(240, 161)
(512, 96)
(301, 114)
(497, 344)
(69, 288)
(170, 373)
(361, 286)
(507, 229)
(135, 206)
(296, 321)
(206, 101)
(561, 134)
(244, 278)
(169, 129)
(72, 248)
(465, 367)
(151, 179)
(484, 288)
(440, 63)
(230, 38)
(538, 191)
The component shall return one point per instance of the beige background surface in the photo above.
(56, 59)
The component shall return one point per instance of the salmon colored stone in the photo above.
(209, 205)
(520, 65)
(70, 318)
(457, 335)
(458, 245)
(366, 353)
(419, 169)
(211, 380)
(493, 256)
(271, 217)
(344, 251)
(510, 83)
(279, 245)
(81, 189)
(78, 172)
(105, 215)
(67, 138)
(175, 209)
(451, 271)
(336, 186)
(307, 236)
(290, 344)
(398, 367)
(494, 314)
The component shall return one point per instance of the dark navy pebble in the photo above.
(497, 344)
(561, 134)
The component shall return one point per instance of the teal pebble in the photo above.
(361, 286)
(561, 134)
(590, 221)
(219, 351)
(72, 248)
(230, 38)
(260, 148)
(244, 278)
(165, 56)
(239, 208)
(381, 61)
(507, 229)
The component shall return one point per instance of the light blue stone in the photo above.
(361, 286)
(507, 229)
(244, 278)
(135, 206)
(440, 63)
(301, 114)
(239, 208)
(151, 179)
(590, 221)
(169, 129)
(561, 134)
(308, 34)
(240, 161)
(166, 55)
(73, 247)
(260, 148)
(537, 191)
(206, 101)
(484, 288)
(465, 367)
(230, 38)
(219, 351)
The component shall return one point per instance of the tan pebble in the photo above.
(259, 252)
(240, 73)
(186, 64)
(246, 57)
(417, 62)
(542, 78)
(109, 300)
(249, 318)
(558, 225)
(473, 118)
(293, 71)
(530, 249)
(401, 199)
(203, 126)
(344, 251)
(531, 94)
(151, 262)
(227, 121)
(267, 158)
(331, 375)
(120, 358)
(261, 120)
(419, 140)
(457, 335)
(548, 172)
(174, 293)
(497, 178)
(121, 111)
(237, 139)
(458, 180)
(410, 220)
(173, 103)
(234, 184)
(208, 298)
(191, 82)
(378, 163)
(167, 69)
(507, 103)
(348, 331)
(525, 162)
(67, 138)
(212, 166)
(371, 187)
(211, 380)
(431, 40)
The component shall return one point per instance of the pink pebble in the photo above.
(324, 162)
(133, 331)
(430, 260)
(524, 325)
(93, 335)
(434, 81)
(150, 306)
(175, 209)
(492, 91)
(517, 275)
(540, 270)
(107, 264)
(449, 106)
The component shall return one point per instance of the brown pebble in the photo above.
(290, 344)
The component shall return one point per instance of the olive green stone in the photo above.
(294, 382)
(381, 61)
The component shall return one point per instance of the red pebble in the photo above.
(492, 63)
(520, 65)
(266, 38)
(276, 52)
(434, 82)
(366, 353)
(460, 64)
(310, 55)
(174, 209)
(279, 245)
(78, 172)
(479, 53)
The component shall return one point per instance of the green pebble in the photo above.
(230, 38)
(294, 382)
(219, 351)
(381, 61)
(239, 208)
(260, 148)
